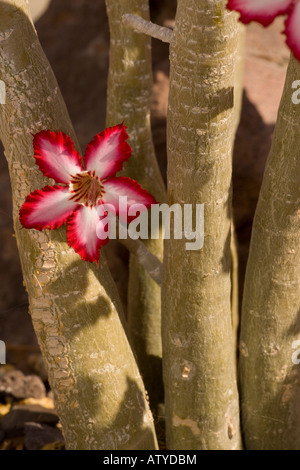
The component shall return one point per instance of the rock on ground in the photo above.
(38, 435)
(13, 423)
(20, 386)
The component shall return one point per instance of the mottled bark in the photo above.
(202, 410)
(271, 305)
(129, 92)
(74, 305)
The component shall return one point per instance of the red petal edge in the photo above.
(264, 18)
(33, 200)
(131, 184)
(72, 163)
(80, 246)
(292, 31)
(107, 168)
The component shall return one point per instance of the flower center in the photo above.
(87, 188)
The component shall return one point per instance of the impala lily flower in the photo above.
(265, 11)
(81, 190)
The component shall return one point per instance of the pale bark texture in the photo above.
(129, 93)
(74, 305)
(270, 381)
(202, 410)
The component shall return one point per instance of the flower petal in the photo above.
(82, 233)
(56, 156)
(292, 30)
(122, 186)
(107, 152)
(49, 207)
(263, 11)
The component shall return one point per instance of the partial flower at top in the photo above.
(265, 11)
(81, 190)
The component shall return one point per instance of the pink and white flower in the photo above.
(265, 11)
(81, 189)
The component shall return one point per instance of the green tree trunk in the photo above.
(270, 314)
(202, 410)
(74, 306)
(129, 92)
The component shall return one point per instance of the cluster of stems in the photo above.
(178, 342)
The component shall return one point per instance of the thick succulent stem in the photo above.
(129, 92)
(270, 314)
(202, 410)
(74, 305)
(147, 259)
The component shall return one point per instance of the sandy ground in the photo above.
(38, 7)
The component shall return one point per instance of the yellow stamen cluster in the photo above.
(86, 188)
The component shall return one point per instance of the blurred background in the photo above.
(75, 37)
